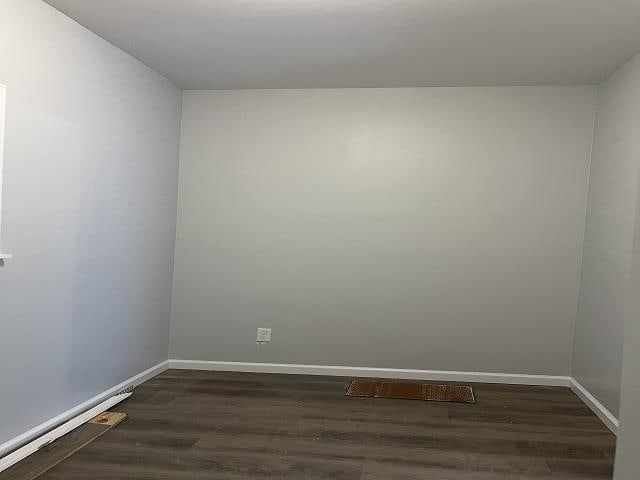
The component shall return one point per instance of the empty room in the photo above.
(320, 239)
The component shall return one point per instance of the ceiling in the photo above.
(223, 44)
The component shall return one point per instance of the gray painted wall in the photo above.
(629, 435)
(88, 212)
(412, 228)
(608, 240)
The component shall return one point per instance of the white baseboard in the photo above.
(371, 372)
(78, 409)
(596, 407)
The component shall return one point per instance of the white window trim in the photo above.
(3, 102)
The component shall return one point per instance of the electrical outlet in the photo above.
(264, 335)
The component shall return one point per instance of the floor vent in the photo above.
(411, 391)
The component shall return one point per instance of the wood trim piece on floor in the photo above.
(50, 424)
(51, 454)
(608, 418)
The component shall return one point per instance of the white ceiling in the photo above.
(219, 44)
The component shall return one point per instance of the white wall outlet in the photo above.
(264, 335)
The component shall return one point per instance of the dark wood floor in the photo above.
(189, 425)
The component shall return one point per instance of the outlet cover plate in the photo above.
(264, 335)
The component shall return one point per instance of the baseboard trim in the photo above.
(371, 372)
(52, 423)
(608, 418)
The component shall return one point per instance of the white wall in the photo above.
(412, 228)
(608, 241)
(629, 435)
(88, 212)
